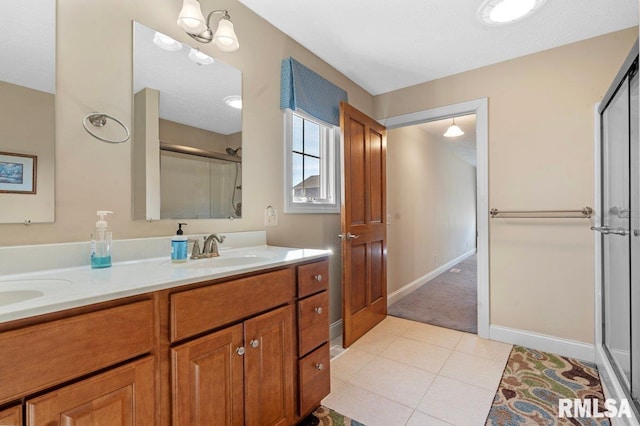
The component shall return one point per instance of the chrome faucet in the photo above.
(210, 247)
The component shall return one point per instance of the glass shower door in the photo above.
(615, 218)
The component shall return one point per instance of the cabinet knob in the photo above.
(319, 366)
(318, 310)
(318, 277)
(254, 343)
(240, 350)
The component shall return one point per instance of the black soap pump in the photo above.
(179, 246)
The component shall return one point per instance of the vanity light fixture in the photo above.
(166, 43)
(499, 12)
(234, 101)
(199, 57)
(453, 130)
(193, 23)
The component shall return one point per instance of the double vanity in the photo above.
(238, 339)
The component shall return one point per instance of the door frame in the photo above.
(480, 107)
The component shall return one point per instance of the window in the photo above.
(312, 176)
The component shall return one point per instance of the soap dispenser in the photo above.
(179, 246)
(101, 243)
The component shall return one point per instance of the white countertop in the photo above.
(54, 290)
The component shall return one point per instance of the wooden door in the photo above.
(363, 228)
(208, 384)
(11, 416)
(123, 396)
(269, 367)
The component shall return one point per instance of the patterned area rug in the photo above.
(532, 384)
(324, 416)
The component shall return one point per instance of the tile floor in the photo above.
(409, 373)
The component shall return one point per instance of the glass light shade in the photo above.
(453, 131)
(225, 37)
(498, 12)
(199, 57)
(190, 18)
(234, 101)
(165, 42)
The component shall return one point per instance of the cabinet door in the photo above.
(123, 396)
(208, 380)
(11, 416)
(269, 366)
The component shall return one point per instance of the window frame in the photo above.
(330, 166)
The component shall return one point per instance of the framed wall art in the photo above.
(18, 173)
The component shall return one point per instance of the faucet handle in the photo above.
(195, 251)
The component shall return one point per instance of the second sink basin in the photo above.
(16, 291)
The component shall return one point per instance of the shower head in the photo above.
(233, 152)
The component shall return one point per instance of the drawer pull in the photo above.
(319, 367)
(318, 277)
(240, 350)
(254, 343)
(318, 310)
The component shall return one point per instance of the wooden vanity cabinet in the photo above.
(11, 416)
(314, 379)
(244, 373)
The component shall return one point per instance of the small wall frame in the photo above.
(18, 173)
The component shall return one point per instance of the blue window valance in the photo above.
(301, 88)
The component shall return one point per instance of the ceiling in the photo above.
(384, 46)
(464, 147)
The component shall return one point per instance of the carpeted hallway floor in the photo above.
(449, 300)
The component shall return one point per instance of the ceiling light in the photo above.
(199, 57)
(234, 101)
(498, 12)
(453, 130)
(193, 23)
(165, 42)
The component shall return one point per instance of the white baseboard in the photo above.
(335, 329)
(401, 292)
(544, 342)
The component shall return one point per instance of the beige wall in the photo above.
(541, 123)
(181, 134)
(94, 73)
(431, 197)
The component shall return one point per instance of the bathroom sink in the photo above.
(224, 261)
(10, 297)
(15, 291)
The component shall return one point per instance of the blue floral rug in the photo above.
(532, 385)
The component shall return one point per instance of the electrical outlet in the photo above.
(270, 216)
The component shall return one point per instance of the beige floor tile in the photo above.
(374, 342)
(368, 407)
(345, 365)
(481, 372)
(395, 381)
(457, 403)
(422, 419)
(393, 325)
(432, 334)
(491, 349)
(337, 385)
(417, 354)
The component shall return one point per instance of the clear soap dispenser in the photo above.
(101, 243)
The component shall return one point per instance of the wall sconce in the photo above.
(193, 23)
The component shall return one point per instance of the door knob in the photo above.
(240, 350)
(319, 366)
(318, 310)
(348, 236)
(317, 277)
(254, 343)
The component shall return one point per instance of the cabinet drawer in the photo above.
(313, 322)
(313, 277)
(315, 378)
(11, 416)
(196, 311)
(40, 356)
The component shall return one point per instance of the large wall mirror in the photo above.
(27, 128)
(187, 136)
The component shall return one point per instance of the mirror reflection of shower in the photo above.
(237, 207)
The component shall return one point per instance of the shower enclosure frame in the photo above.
(616, 385)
